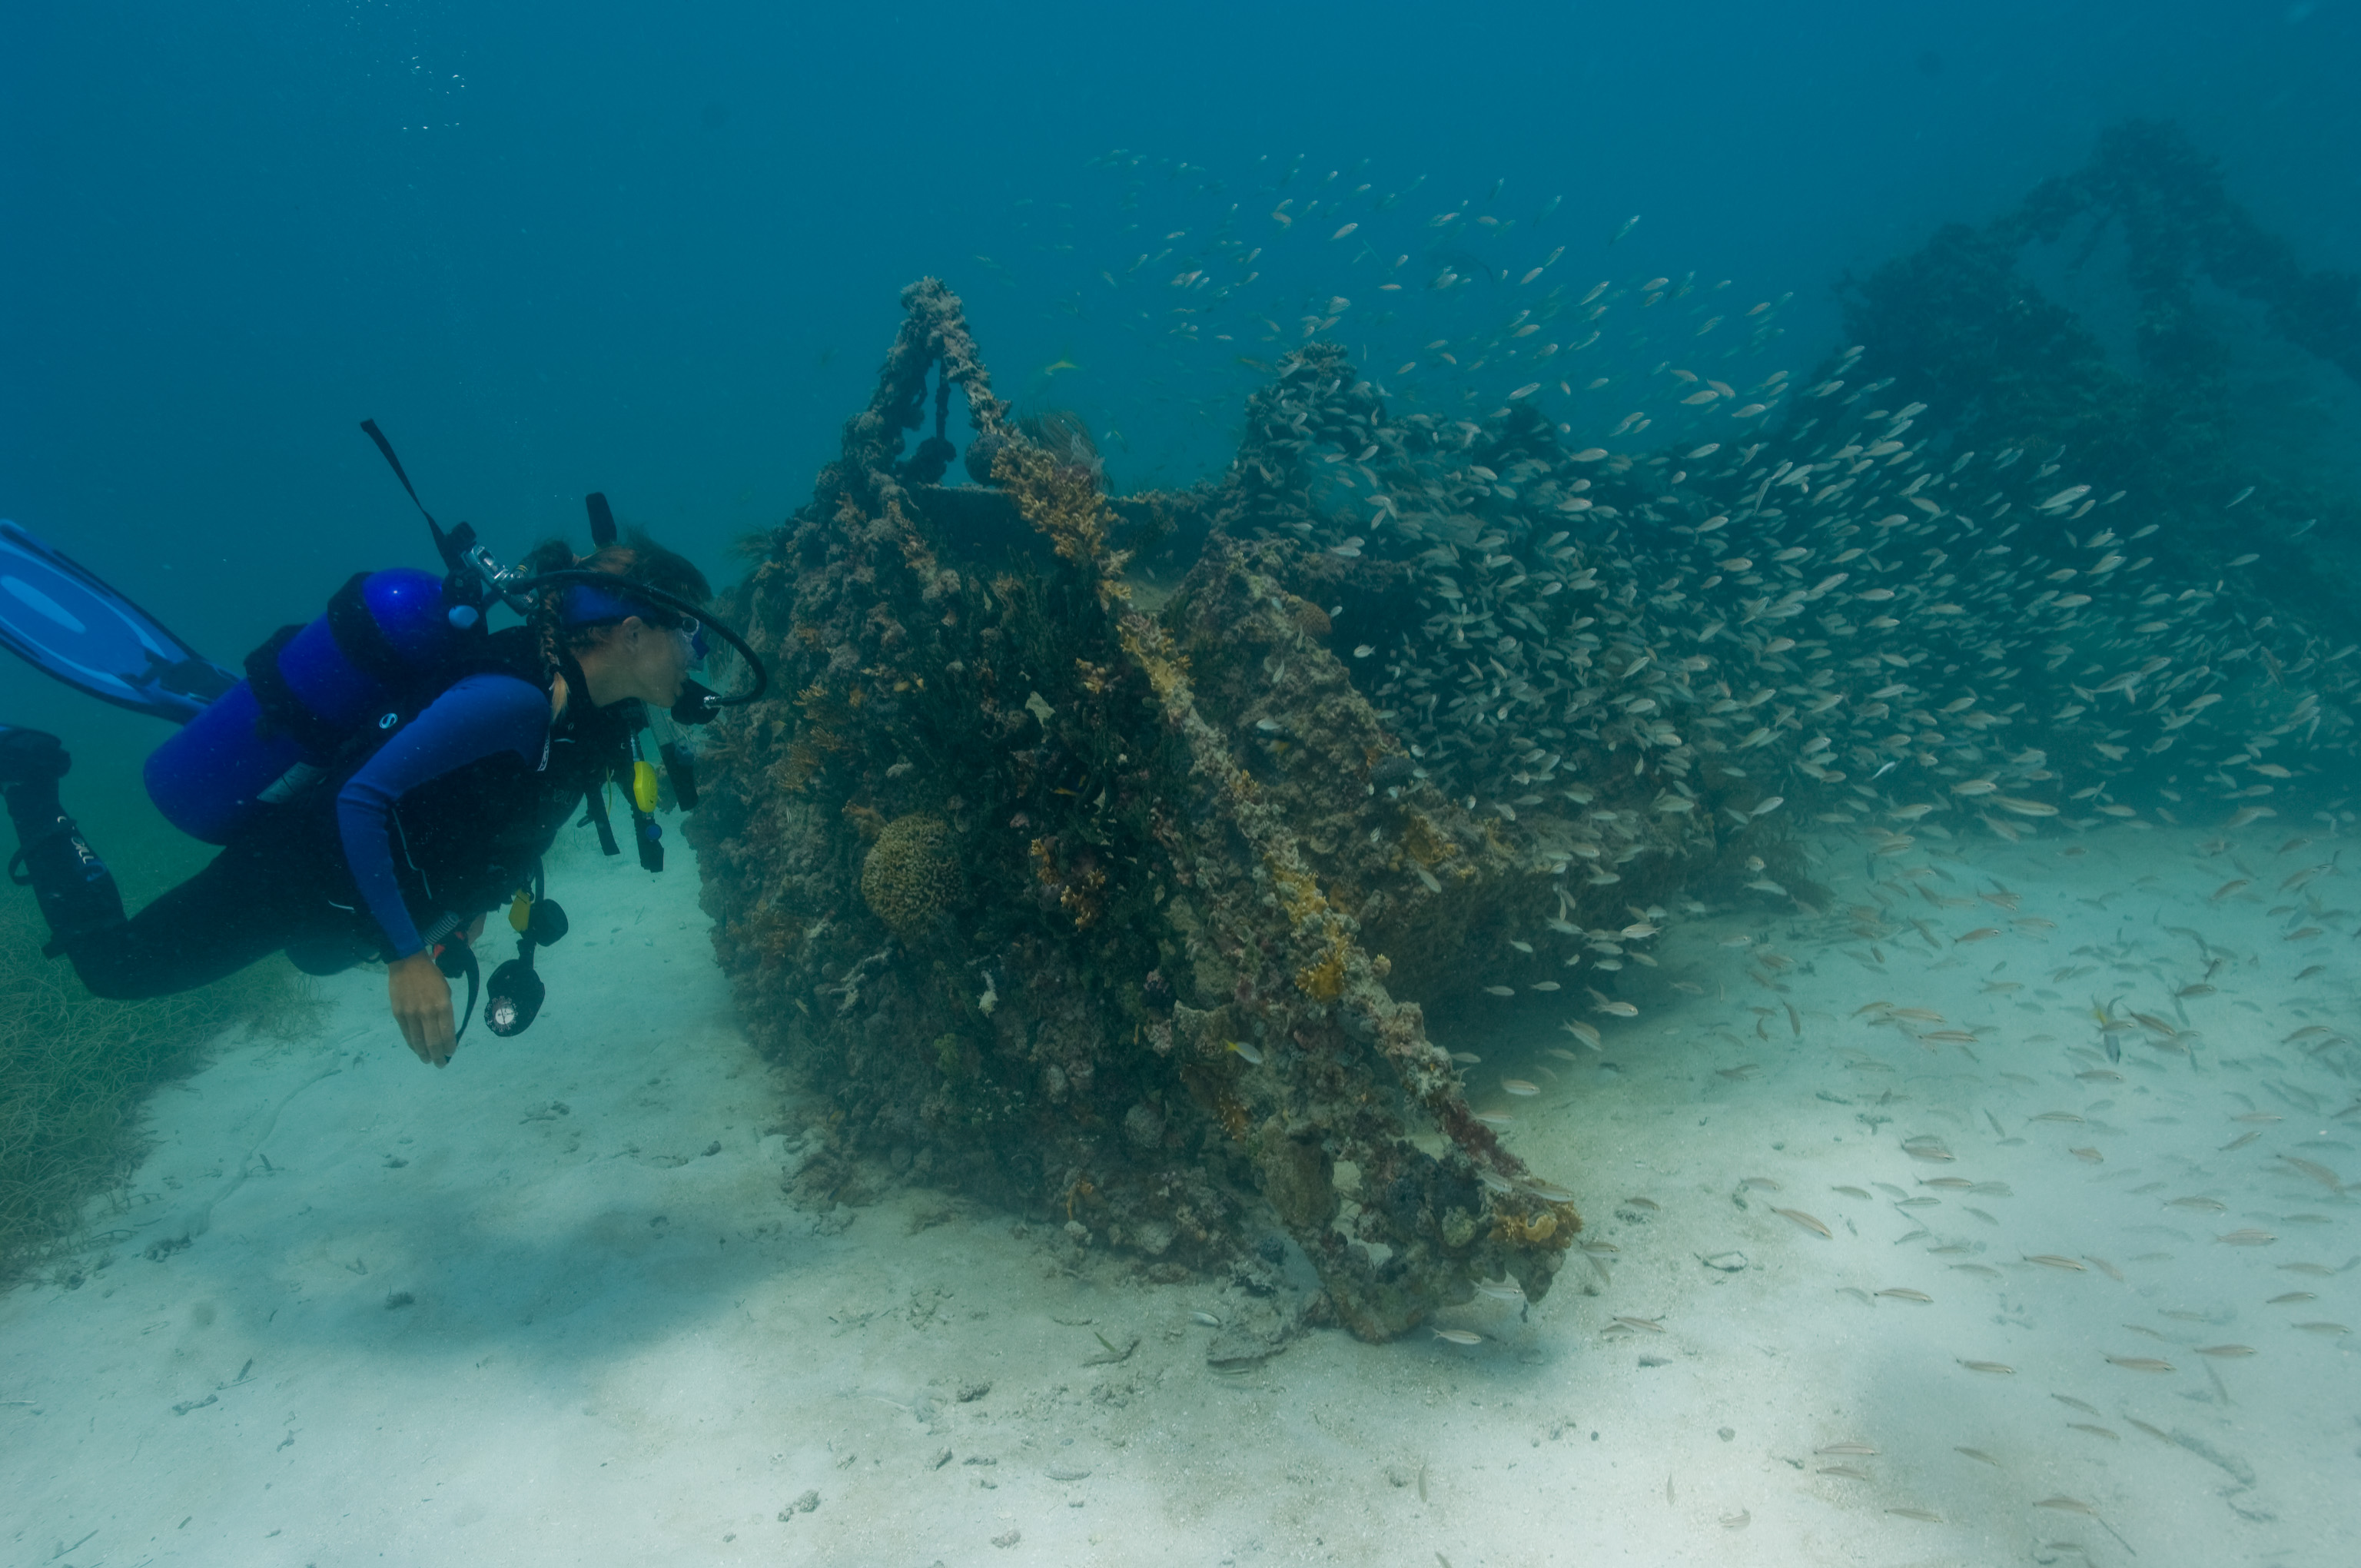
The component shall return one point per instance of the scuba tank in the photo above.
(308, 693)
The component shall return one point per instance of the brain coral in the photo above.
(912, 873)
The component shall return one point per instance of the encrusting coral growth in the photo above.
(910, 878)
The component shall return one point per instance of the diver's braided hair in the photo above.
(637, 559)
(549, 605)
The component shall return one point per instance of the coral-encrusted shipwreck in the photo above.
(1079, 874)
(1085, 907)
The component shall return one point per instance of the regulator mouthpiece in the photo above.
(698, 705)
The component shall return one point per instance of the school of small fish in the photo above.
(1786, 599)
(1795, 619)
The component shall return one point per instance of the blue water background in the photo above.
(655, 250)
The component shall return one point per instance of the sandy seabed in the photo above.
(552, 1305)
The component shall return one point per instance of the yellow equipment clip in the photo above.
(643, 785)
(520, 911)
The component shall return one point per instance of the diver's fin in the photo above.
(57, 616)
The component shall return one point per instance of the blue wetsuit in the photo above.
(482, 716)
(440, 824)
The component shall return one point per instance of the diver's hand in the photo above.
(422, 1007)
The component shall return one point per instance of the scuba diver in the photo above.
(382, 778)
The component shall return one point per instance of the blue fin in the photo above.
(57, 616)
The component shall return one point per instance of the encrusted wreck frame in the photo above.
(1042, 889)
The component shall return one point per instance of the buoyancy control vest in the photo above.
(311, 693)
(467, 841)
(471, 839)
